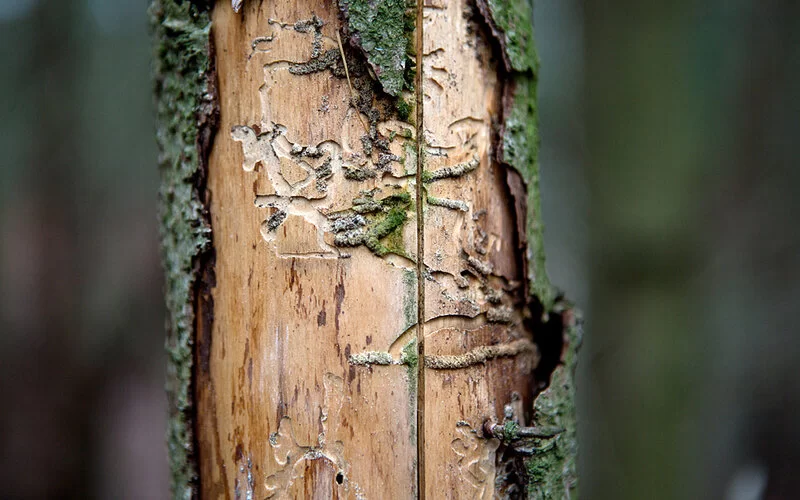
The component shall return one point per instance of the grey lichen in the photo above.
(347, 223)
(493, 296)
(451, 204)
(480, 355)
(358, 173)
(385, 160)
(482, 268)
(382, 230)
(500, 314)
(276, 220)
(382, 29)
(368, 358)
(314, 26)
(521, 151)
(511, 22)
(320, 60)
(322, 174)
(183, 95)
(330, 59)
(451, 172)
(352, 238)
(366, 144)
(367, 204)
(552, 471)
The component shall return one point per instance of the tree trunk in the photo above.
(355, 312)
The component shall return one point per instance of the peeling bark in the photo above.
(376, 291)
(184, 90)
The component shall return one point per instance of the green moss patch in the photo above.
(512, 24)
(380, 223)
(552, 471)
(382, 29)
(521, 151)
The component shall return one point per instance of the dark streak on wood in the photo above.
(204, 310)
(339, 296)
(208, 117)
(497, 35)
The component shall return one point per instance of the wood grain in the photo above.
(281, 411)
(306, 382)
(475, 295)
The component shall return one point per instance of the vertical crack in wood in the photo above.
(420, 260)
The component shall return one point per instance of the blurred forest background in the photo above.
(670, 183)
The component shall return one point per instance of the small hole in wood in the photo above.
(340, 478)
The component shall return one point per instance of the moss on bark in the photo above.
(521, 151)
(184, 93)
(513, 24)
(382, 29)
(183, 100)
(551, 469)
(552, 472)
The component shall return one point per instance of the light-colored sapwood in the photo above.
(308, 383)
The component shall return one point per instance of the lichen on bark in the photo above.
(513, 23)
(551, 469)
(182, 69)
(382, 30)
(521, 151)
(183, 100)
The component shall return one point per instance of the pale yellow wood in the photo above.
(475, 295)
(281, 410)
(306, 385)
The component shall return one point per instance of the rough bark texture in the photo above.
(306, 375)
(184, 105)
(551, 469)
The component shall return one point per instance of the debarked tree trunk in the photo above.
(358, 305)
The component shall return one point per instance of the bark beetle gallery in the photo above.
(355, 272)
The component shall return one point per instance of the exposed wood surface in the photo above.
(306, 382)
(475, 294)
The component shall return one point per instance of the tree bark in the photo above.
(355, 277)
